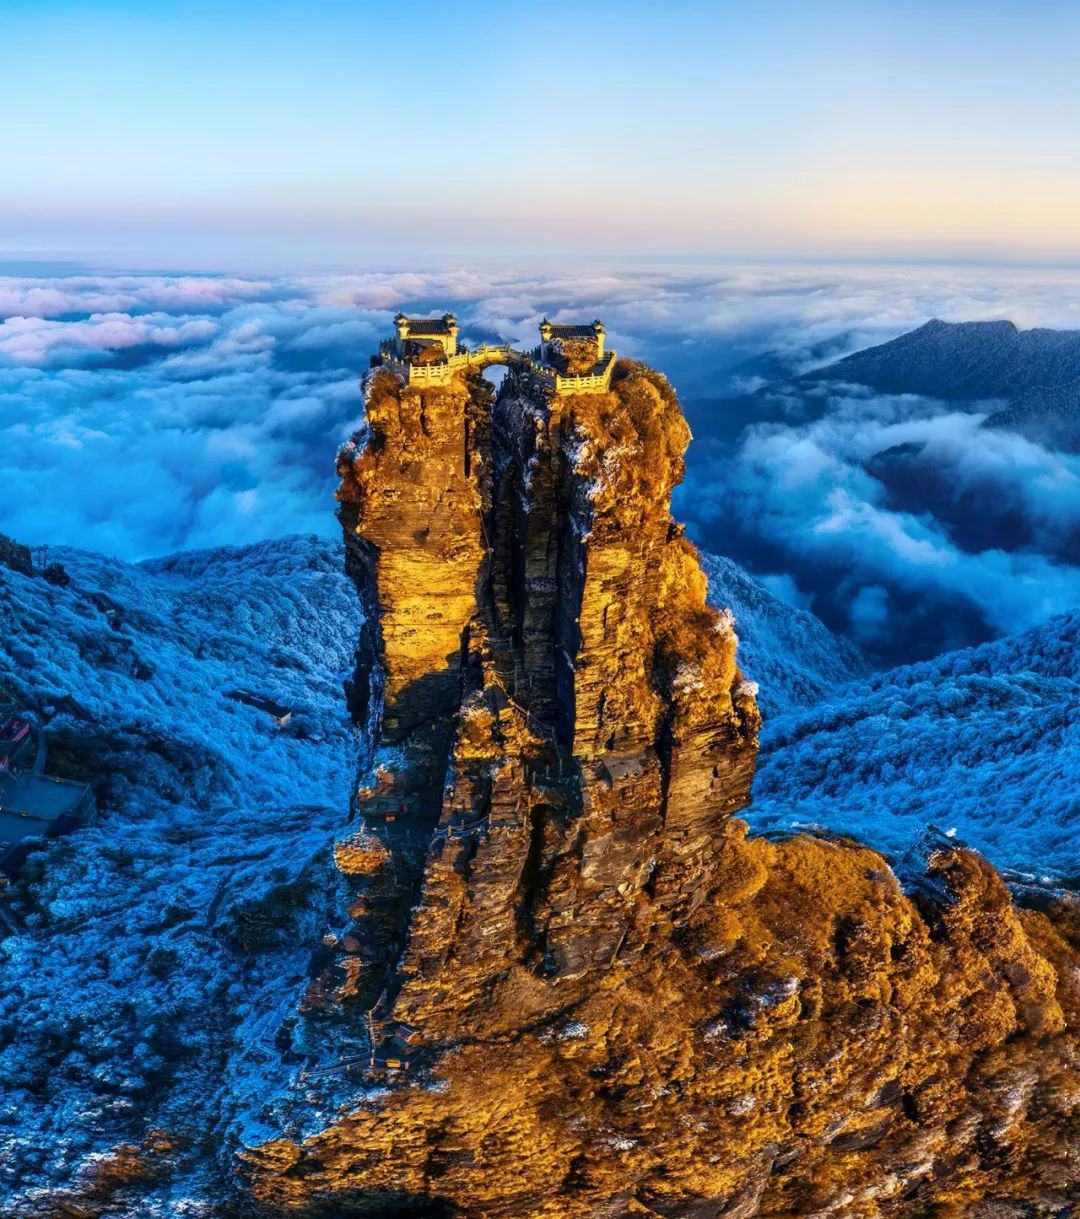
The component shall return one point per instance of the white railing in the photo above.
(442, 372)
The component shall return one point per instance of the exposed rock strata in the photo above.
(604, 999)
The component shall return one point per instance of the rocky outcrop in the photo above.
(587, 992)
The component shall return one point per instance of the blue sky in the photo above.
(262, 133)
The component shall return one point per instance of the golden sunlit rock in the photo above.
(590, 994)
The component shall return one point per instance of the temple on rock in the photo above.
(417, 336)
(570, 359)
(570, 985)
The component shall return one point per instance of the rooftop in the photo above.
(573, 332)
(420, 326)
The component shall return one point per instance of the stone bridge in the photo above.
(441, 371)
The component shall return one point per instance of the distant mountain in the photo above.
(976, 361)
(984, 741)
(777, 481)
(792, 656)
(975, 517)
(1048, 415)
(961, 360)
(1036, 372)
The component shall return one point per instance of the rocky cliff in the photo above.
(586, 992)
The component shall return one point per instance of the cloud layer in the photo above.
(988, 545)
(143, 414)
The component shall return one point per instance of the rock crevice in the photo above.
(608, 1000)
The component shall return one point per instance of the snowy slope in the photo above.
(1049, 415)
(157, 941)
(962, 360)
(792, 655)
(984, 741)
(164, 945)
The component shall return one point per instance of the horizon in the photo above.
(59, 264)
(193, 411)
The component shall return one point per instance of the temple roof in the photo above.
(575, 332)
(420, 326)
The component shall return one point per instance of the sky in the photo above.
(209, 212)
(258, 133)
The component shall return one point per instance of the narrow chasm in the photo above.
(569, 983)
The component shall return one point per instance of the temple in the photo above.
(570, 359)
(419, 336)
(552, 337)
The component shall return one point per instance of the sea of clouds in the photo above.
(142, 414)
(994, 551)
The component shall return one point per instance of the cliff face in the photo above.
(588, 992)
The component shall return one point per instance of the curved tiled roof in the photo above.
(421, 326)
(426, 326)
(574, 332)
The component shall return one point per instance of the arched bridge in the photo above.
(416, 334)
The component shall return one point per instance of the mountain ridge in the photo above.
(961, 360)
(982, 740)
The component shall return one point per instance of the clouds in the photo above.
(39, 342)
(141, 414)
(139, 434)
(909, 523)
(24, 296)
